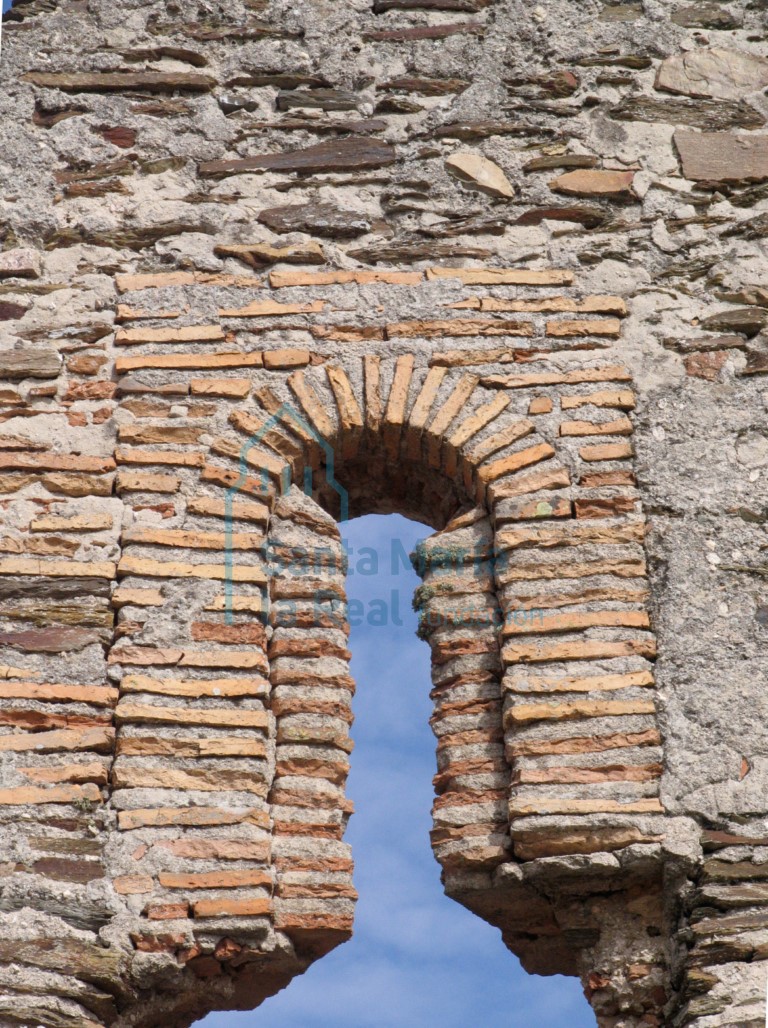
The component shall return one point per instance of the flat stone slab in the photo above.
(722, 156)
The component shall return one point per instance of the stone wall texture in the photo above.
(497, 265)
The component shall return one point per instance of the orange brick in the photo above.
(515, 462)
(135, 713)
(544, 652)
(394, 415)
(28, 795)
(74, 773)
(162, 280)
(218, 849)
(132, 885)
(54, 462)
(232, 907)
(503, 276)
(141, 482)
(98, 696)
(270, 308)
(540, 405)
(437, 329)
(160, 817)
(189, 361)
(167, 911)
(608, 451)
(190, 334)
(216, 880)
(173, 569)
(96, 740)
(621, 426)
(229, 388)
(610, 327)
(545, 378)
(283, 279)
(168, 458)
(621, 398)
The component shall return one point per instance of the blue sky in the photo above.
(417, 959)
(6, 5)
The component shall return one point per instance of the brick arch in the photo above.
(520, 651)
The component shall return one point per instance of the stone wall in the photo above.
(496, 265)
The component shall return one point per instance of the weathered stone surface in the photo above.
(710, 115)
(322, 219)
(723, 74)
(258, 255)
(20, 263)
(722, 156)
(30, 362)
(614, 184)
(346, 154)
(481, 173)
(122, 81)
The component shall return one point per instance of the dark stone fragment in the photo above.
(131, 384)
(761, 616)
(757, 358)
(704, 114)
(406, 252)
(162, 108)
(712, 839)
(563, 161)
(751, 228)
(637, 62)
(129, 238)
(555, 84)
(590, 217)
(748, 320)
(91, 189)
(322, 219)
(96, 171)
(173, 53)
(621, 12)
(402, 35)
(49, 640)
(87, 847)
(705, 344)
(468, 6)
(478, 224)
(52, 588)
(30, 362)
(253, 29)
(11, 311)
(425, 86)
(354, 153)
(326, 126)
(67, 956)
(280, 79)
(397, 105)
(706, 16)
(320, 99)
(231, 102)
(484, 129)
(47, 117)
(122, 81)
(119, 136)
(81, 871)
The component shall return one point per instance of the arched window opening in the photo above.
(414, 959)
